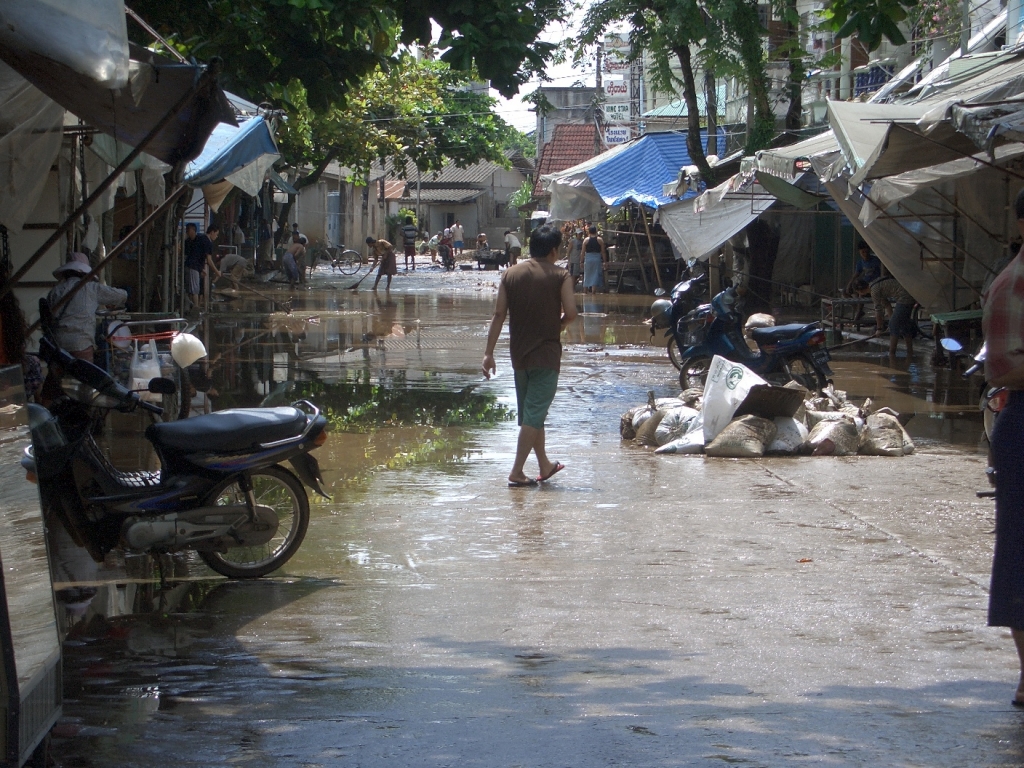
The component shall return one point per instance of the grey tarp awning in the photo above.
(155, 85)
(783, 161)
(88, 38)
(880, 140)
(699, 227)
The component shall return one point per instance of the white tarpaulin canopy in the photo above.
(31, 131)
(698, 227)
(87, 37)
(879, 140)
(911, 253)
(783, 161)
(891, 190)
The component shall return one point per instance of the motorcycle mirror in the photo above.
(162, 386)
(659, 291)
(951, 345)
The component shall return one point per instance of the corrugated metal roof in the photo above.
(442, 195)
(451, 175)
(394, 189)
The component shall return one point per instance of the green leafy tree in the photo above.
(331, 45)
(869, 20)
(681, 36)
(419, 113)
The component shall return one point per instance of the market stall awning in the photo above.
(697, 228)
(241, 155)
(891, 190)
(790, 161)
(883, 140)
(87, 38)
(155, 85)
(633, 172)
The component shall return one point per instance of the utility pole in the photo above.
(600, 63)
(965, 28)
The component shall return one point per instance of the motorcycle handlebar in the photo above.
(147, 406)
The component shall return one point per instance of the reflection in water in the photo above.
(394, 370)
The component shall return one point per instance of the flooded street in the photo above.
(638, 610)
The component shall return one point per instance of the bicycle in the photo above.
(346, 261)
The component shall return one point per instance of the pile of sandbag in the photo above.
(738, 415)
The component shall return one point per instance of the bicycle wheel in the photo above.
(273, 487)
(349, 262)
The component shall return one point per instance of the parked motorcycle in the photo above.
(222, 489)
(991, 400)
(794, 352)
(684, 298)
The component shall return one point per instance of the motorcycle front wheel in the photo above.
(693, 372)
(675, 354)
(279, 489)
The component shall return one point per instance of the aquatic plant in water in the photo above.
(361, 405)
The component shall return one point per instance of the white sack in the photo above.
(674, 424)
(790, 436)
(727, 386)
(744, 438)
(834, 438)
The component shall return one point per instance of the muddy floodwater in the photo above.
(638, 610)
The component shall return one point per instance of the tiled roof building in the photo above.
(569, 145)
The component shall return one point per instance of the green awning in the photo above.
(280, 183)
(788, 193)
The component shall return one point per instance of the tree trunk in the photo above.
(693, 143)
(711, 99)
(750, 33)
(794, 115)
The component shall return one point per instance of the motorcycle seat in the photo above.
(236, 429)
(777, 333)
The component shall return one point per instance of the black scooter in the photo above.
(222, 489)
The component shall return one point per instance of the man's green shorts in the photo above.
(535, 389)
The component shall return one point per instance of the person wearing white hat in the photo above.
(76, 320)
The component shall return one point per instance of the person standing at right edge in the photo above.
(1003, 325)
(538, 298)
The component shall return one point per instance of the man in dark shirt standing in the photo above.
(198, 260)
(538, 298)
(409, 235)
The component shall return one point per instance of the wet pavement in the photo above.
(637, 610)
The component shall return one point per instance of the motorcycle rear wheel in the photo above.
(693, 372)
(275, 487)
(804, 373)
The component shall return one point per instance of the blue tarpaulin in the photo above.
(634, 172)
(239, 154)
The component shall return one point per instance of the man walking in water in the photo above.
(538, 298)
